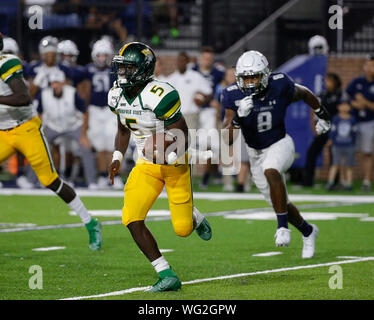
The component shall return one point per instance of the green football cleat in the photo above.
(204, 230)
(95, 235)
(168, 281)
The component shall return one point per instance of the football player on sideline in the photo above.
(21, 130)
(143, 106)
(101, 126)
(257, 103)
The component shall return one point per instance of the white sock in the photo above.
(197, 217)
(160, 264)
(78, 206)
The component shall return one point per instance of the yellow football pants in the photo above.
(28, 138)
(145, 184)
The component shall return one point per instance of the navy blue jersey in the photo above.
(33, 68)
(215, 76)
(343, 131)
(75, 73)
(366, 88)
(101, 82)
(265, 124)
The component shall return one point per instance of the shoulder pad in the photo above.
(113, 96)
(278, 76)
(232, 87)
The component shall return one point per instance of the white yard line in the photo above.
(49, 248)
(197, 195)
(267, 254)
(232, 276)
(253, 213)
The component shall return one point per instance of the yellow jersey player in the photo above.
(21, 130)
(143, 107)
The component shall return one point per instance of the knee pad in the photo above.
(183, 229)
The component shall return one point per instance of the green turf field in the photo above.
(77, 272)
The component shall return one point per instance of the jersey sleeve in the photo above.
(288, 86)
(168, 109)
(114, 95)
(226, 101)
(10, 69)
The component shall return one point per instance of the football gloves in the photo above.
(245, 106)
(323, 124)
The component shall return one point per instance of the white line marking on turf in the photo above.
(49, 249)
(166, 250)
(118, 213)
(198, 195)
(267, 254)
(57, 226)
(239, 275)
(348, 257)
(2, 225)
(266, 215)
(367, 219)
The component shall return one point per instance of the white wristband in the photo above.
(172, 157)
(117, 155)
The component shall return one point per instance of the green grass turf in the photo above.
(49, 210)
(318, 188)
(76, 271)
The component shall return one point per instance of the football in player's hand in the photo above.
(156, 145)
(199, 99)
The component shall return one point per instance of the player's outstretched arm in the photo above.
(230, 123)
(120, 144)
(303, 93)
(19, 97)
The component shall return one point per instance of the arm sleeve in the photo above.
(79, 103)
(289, 88)
(226, 101)
(114, 95)
(11, 69)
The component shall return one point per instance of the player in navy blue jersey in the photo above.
(67, 53)
(257, 103)
(37, 72)
(102, 125)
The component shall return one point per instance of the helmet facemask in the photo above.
(253, 88)
(128, 73)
